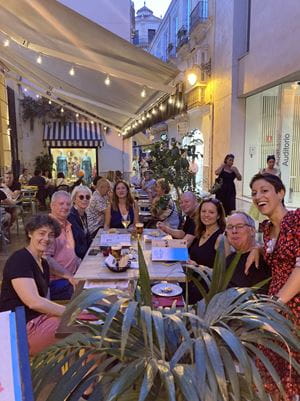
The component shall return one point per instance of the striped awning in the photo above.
(73, 134)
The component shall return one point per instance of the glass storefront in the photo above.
(194, 143)
(71, 160)
(273, 128)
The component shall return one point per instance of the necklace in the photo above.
(204, 237)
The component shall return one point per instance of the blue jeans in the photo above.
(61, 289)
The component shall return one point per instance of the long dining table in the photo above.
(93, 266)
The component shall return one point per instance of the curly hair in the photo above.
(41, 220)
(221, 221)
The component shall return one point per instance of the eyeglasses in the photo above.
(87, 197)
(238, 227)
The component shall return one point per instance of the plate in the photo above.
(155, 234)
(166, 289)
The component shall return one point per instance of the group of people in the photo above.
(58, 242)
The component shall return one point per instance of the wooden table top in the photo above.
(93, 267)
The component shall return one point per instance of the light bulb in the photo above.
(37, 96)
(120, 134)
(143, 93)
(62, 110)
(192, 78)
(161, 107)
(107, 80)
(92, 122)
(143, 118)
(171, 100)
(105, 127)
(25, 89)
(6, 42)
(140, 121)
(148, 115)
(154, 112)
(295, 85)
(72, 71)
(39, 59)
(178, 104)
(50, 101)
(77, 115)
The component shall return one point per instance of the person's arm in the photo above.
(27, 291)
(292, 287)
(253, 257)
(107, 218)
(219, 169)
(237, 173)
(57, 269)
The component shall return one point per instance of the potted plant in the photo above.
(206, 352)
(44, 162)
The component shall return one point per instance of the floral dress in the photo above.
(282, 260)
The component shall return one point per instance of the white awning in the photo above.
(64, 39)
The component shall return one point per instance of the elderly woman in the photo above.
(163, 207)
(26, 283)
(123, 210)
(99, 202)
(80, 197)
(240, 231)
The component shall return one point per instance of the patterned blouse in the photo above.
(95, 212)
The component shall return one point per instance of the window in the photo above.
(136, 38)
(151, 34)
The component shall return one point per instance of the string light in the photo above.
(92, 122)
(161, 107)
(143, 93)
(107, 80)
(148, 115)
(119, 134)
(140, 121)
(50, 101)
(62, 110)
(105, 127)
(72, 71)
(6, 42)
(154, 111)
(143, 118)
(171, 100)
(37, 96)
(178, 104)
(39, 59)
(77, 115)
(25, 89)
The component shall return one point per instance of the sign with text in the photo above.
(169, 250)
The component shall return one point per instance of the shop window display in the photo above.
(273, 128)
(71, 161)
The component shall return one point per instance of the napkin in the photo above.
(110, 261)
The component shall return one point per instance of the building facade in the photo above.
(184, 39)
(255, 75)
(5, 141)
(146, 25)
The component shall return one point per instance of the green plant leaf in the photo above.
(200, 365)
(231, 373)
(230, 271)
(144, 278)
(129, 317)
(148, 381)
(216, 362)
(129, 376)
(168, 379)
(146, 316)
(184, 376)
(159, 331)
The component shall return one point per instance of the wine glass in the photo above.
(125, 221)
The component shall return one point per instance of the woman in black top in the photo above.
(228, 173)
(210, 224)
(81, 196)
(26, 283)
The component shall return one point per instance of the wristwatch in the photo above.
(276, 298)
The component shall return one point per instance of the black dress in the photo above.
(203, 255)
(226, 194)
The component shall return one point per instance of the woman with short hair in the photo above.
(99, 202)
(122, 208)
(80, 197)
(26, 283)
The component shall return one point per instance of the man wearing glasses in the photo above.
(240, 232)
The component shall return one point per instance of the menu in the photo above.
(115, 239)
(169, 250)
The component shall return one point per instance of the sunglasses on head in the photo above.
(87, 197)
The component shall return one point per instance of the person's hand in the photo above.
(73, 281)
(253, 257)
(162, 226)
(191, 262)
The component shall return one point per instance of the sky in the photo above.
(159, 7)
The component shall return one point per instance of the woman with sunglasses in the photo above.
(81, 196)
(210, 225)
(281, 251)
(123, 210)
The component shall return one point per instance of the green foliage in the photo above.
(44, 162)
(40, 108)
(205, 353)
(168, 164)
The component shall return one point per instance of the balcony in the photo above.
(182, 37)
(171, 50)
(199, 14)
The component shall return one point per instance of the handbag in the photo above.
(217, 185)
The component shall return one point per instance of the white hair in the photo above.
(59, 194)
(80, 188)
(247, 219)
